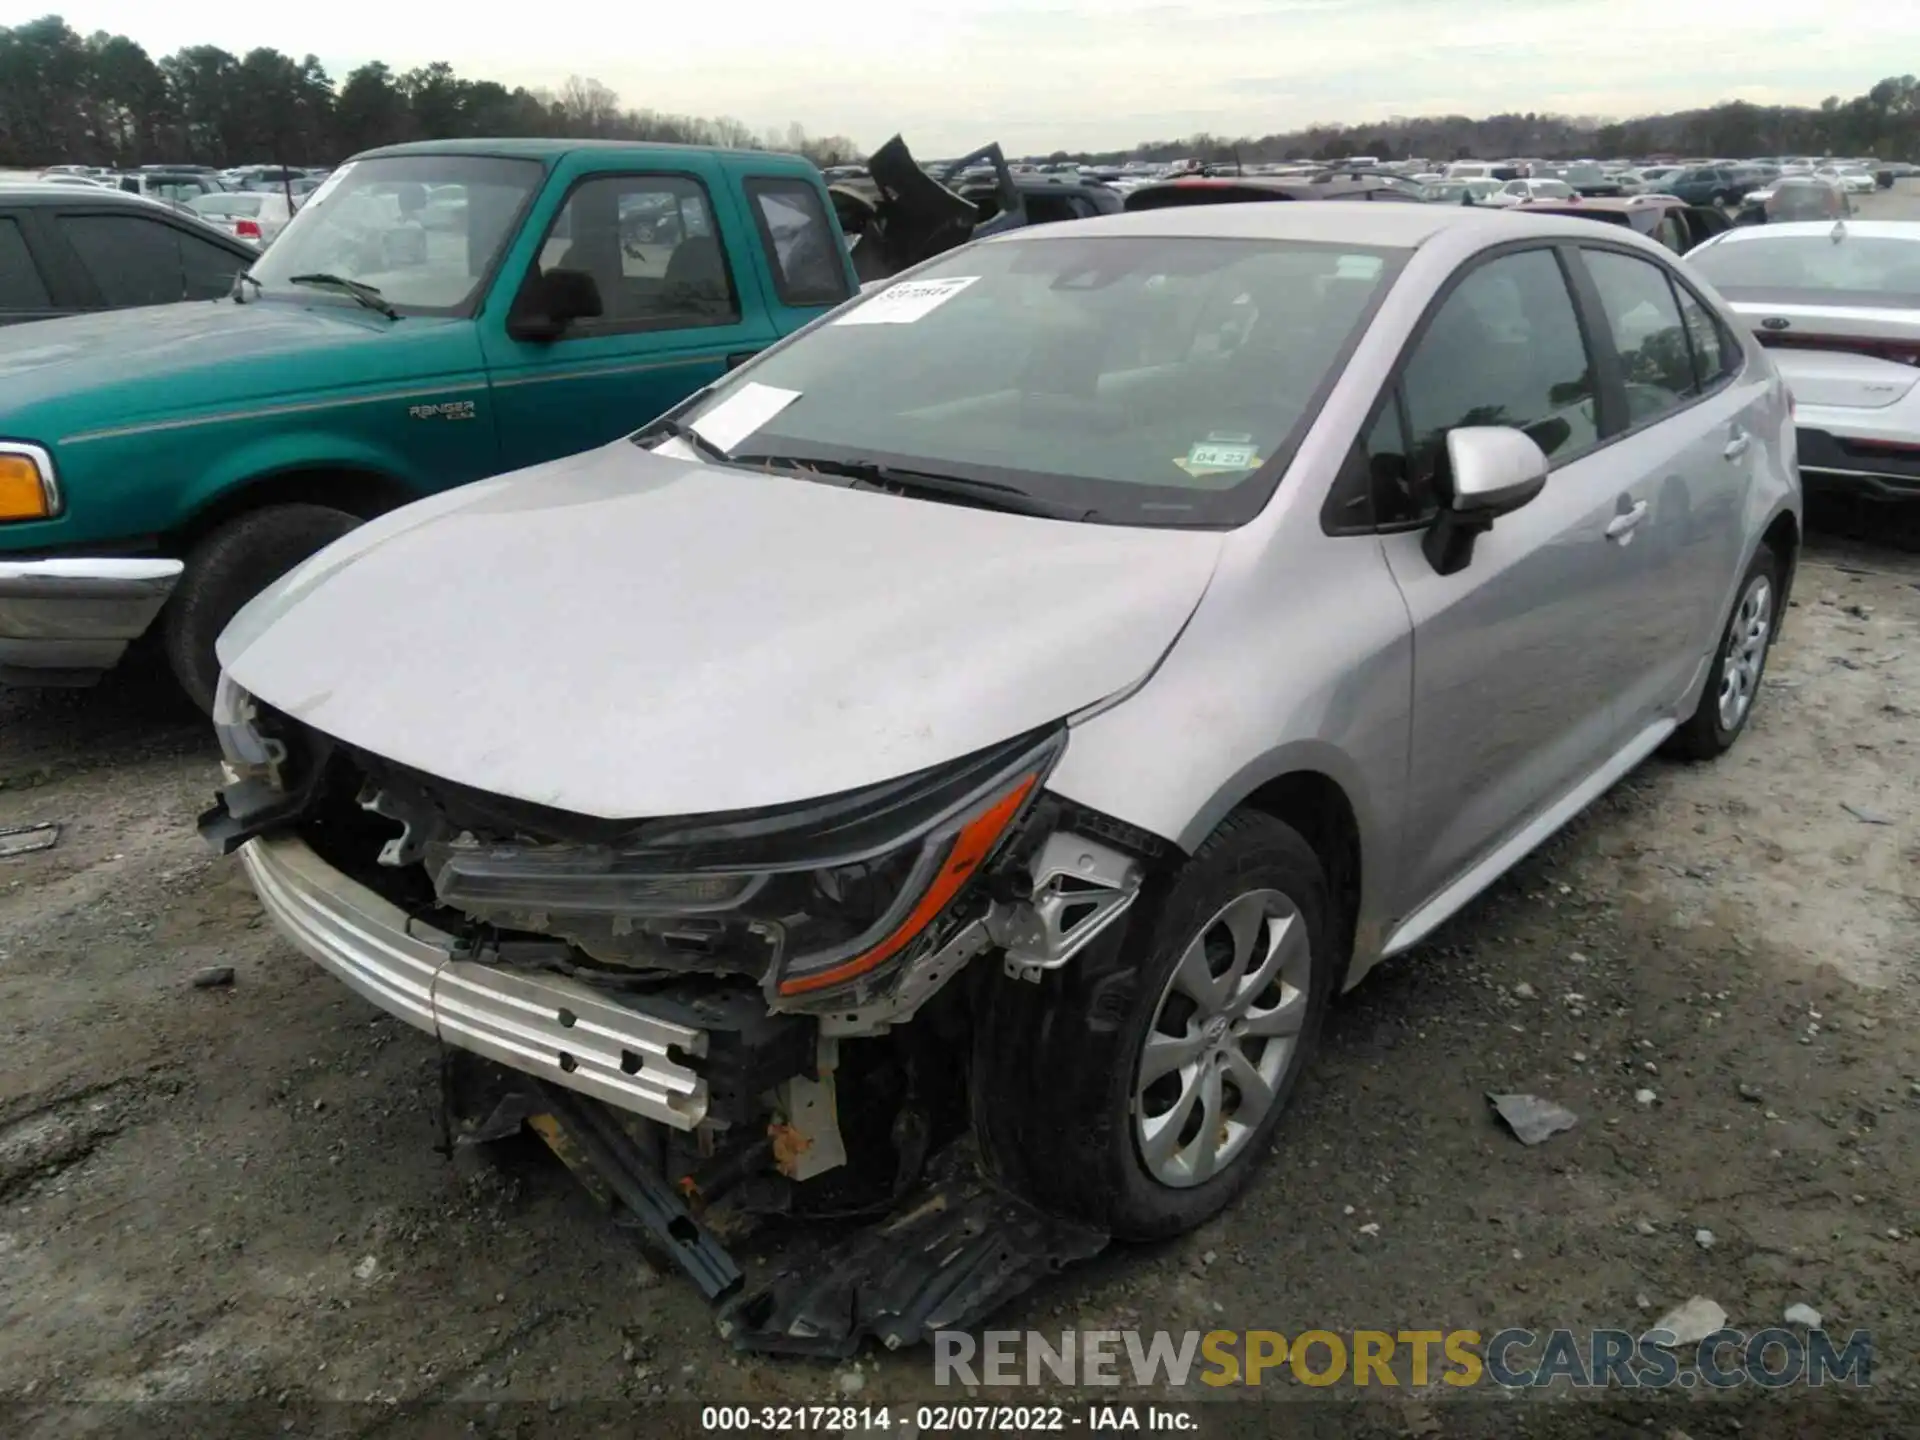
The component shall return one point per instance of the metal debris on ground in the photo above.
(1864, 815)
(25, 839)
(1691, 1323)
(213, 977)
(1532, 1119)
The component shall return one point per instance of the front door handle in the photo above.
(1621, 526)
(1737, 446)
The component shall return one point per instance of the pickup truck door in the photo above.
(680, 305)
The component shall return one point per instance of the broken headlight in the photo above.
(810, 898)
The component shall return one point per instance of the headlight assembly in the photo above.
(810, 897)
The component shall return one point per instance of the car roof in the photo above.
(1335, 221)
(538, 148)
(35, 192)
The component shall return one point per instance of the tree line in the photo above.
(103, 100)
(1884, 122)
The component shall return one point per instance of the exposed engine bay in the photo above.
(714, 1019)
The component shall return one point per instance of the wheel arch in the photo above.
(356, 487)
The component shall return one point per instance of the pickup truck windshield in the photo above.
(1147, 380)
(423, 230)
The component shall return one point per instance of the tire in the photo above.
(228, 567)
(1739, 664)
(1058, 1112)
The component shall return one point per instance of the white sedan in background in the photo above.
(256, 216)
(1518, 192)
(1850, 178)
(1838, 305)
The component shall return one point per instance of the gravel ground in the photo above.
(233, 1194)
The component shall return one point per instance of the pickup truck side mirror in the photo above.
(550, 301)
(1492, 470)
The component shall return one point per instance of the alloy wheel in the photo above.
(1746, 652)
(1223, 1032)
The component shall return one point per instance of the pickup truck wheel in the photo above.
(1137, 1087)
(228, 567)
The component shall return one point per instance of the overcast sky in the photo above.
(1083, 74)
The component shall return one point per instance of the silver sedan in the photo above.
(1040, 683)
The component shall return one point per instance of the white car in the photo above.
(1518, 192)
(255, 216)
(1838, 304)
(1851, 178)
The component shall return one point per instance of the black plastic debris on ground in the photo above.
(950, 1256)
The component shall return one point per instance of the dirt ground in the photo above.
(233, 1195)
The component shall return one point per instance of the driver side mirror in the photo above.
(550, 301)
(1492, 470)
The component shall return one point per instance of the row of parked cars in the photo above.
(797, 763)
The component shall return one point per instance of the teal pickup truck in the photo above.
(435, 313)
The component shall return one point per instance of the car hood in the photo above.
(622, 635)
(152, 358)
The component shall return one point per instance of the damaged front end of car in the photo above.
(714, 1019)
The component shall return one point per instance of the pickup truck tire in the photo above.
(228, 567)
(1061, 1104)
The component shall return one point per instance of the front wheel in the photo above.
(231, 565)
(1739, 663)
(1138, 1088)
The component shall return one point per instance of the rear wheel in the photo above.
(227, 568)
(1740, 662)
(1138, 1088)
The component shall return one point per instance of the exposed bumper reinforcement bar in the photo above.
(68, 621)
(542, 1025)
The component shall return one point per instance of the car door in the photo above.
(27, 292)
(1516, 655)
(1683, 456)
(678, 307)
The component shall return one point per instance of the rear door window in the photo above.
(131, 259)
(802, 249)
(1716, 355)
(1655, 358)
(21, 287)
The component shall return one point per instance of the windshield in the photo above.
(424, 230)
(1859, 269)
(1154, 381)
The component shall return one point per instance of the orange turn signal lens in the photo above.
(969, 849)
(23, 496)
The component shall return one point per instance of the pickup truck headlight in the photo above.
(28, 489)
(829, 891)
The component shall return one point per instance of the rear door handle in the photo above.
(1737, 446)
(1621, 526)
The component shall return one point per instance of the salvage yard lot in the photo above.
(234, 1193)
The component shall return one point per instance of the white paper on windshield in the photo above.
(742, 413)
(906, 302)
(674, 448)
(327, 186)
